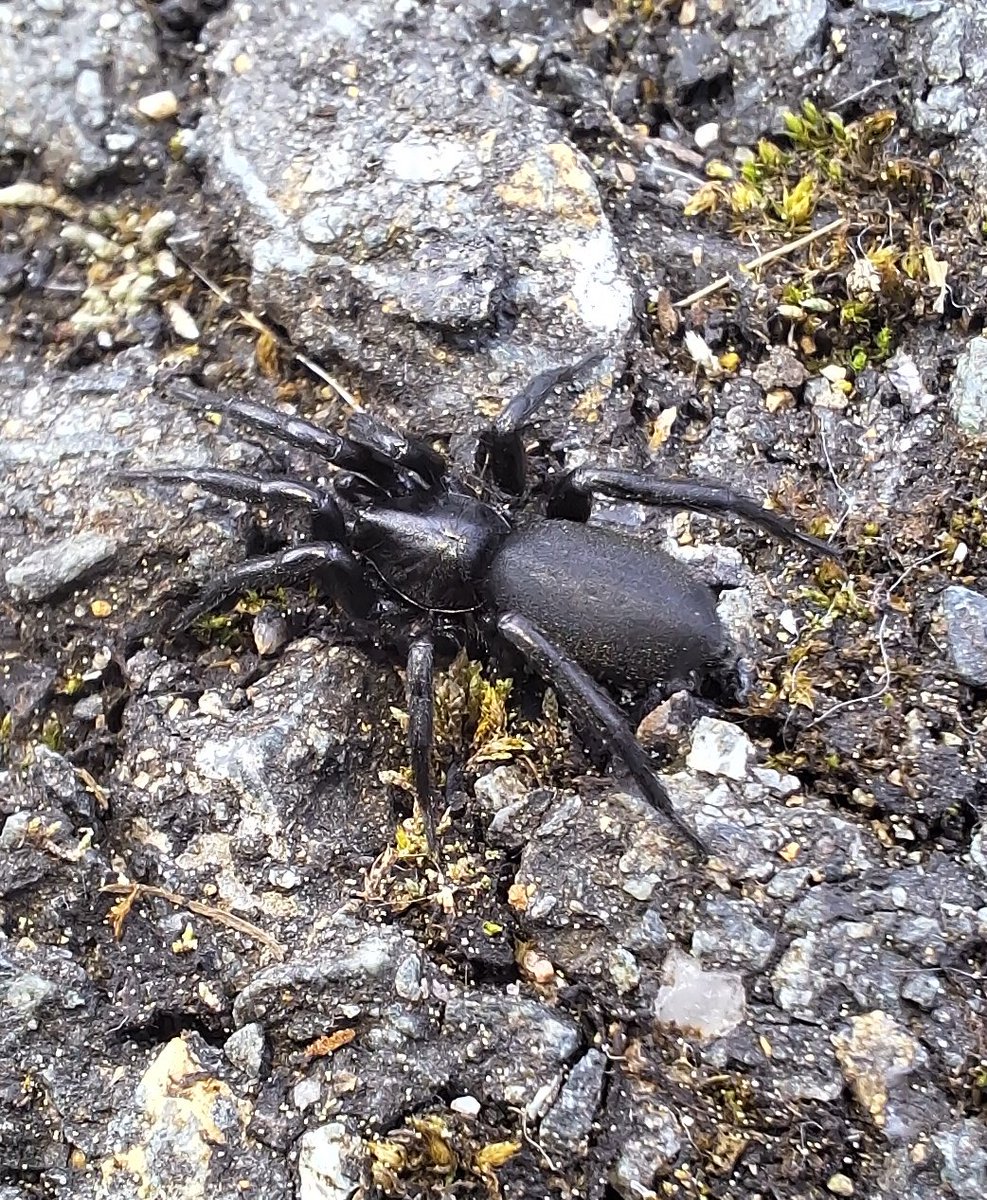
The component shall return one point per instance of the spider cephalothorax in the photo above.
(585, 605)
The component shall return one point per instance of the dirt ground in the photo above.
(751, 240)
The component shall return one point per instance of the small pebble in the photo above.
(706, 135)
(181, 321)
(158, 106)
(839, 1184)
(156, 229)
(270, 631)
(468, 1106)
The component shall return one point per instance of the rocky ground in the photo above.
(227, 967)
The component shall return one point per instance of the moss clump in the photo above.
(886, 262)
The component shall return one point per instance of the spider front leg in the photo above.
(574, 493)
(327, 519)
(328, 562)
(371, 448)
(583, 696)
(502, 445)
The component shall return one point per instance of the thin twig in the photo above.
(861, 92)
(219, 915)
(762, 260)
(254, 322)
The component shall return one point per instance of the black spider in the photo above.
(398, 528)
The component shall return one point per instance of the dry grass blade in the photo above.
(762, 260)
(133, 890)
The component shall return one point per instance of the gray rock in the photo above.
(70, 74)
(911, 10)
(256, 760)
(349, 979)
(62, 512)
(793, 24)
(946, 109)
(965, 614)
(245, 1048)
(51, 568)
(922, 989)
(944, 55)
(329, 1163)
(508, 1049)
(719, 748)
(566, 1126)
(963, 1147)
(968, 391)
(653, 1140)
(729, 934)
(437, 232)
(598, 916)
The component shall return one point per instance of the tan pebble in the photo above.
(158, 106)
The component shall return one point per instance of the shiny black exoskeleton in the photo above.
(584, 604)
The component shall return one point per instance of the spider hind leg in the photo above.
(588, 701)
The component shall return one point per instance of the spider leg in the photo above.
(502, 445)
(372, 448)
(421, 721)
(583, 695)
(333, 565)
(574, 494)
(393, 447)
(327, 519)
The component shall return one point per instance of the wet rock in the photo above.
(329, 1163)
(791, 1060)
(12, 271)
(719, 748)
(566, 1126)
(749, 830)
(965, 614)
(707, 1004)
(183, 1114)
(508, 1049)
(968, 391)
(70, 72)
(46, 571)
(473, 256)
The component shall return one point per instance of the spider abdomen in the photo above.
(626, 611)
